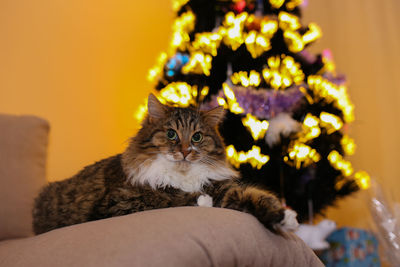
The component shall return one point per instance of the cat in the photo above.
(177, 158)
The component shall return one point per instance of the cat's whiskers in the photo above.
(209, 161)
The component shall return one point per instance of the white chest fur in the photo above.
(162, 172)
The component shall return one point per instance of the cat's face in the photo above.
(181, 135)
(178, 147)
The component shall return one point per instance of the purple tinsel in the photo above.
(339, 79)
(263, 103)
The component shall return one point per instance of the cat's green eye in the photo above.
(197, 137)
(171, 135)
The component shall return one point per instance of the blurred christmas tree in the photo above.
(286, 108)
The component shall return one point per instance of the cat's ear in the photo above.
(215, 116)
(155, 108)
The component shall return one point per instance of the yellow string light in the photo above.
(179, 94)
(257, 44)
(177, 4)
(329, 66)
(254, 78)
(245, 79)
(293, 40)
(363, 180)
(331, 122)
(204, 92)
(257, 128)
(311, 128)
(207, 42)
(276, 3)
(290, 24)
(300, 154)
(314, 32)
(293, 4)
(288, 21)
(340, 164)
(253, 157)
(222, 102)
(269, 28)
(199, 63)
(182, 26)
(232, 103)
(348, 145)
(282, 72)
(158, 68)
(141, 112)
(233, 30)
(330, 92)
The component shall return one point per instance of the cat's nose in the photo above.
(185, 150)
(185, 153)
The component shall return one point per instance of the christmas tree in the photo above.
(287, 109)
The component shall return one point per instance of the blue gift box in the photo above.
(351, 247)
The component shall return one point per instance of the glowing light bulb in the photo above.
(182, 26)
(228, 92)
(207, 42)
(230, 151)
(253, 157)
(141, 112)
(257, 128)
(233, 105)
(282, 72)
(288, 21)
(324, 89)
(312, 34)
(204, 91)
(257, 44)
(199, 63)
(294, 41)
(293, 4)
(363, 180)
(269, 28)
(177, 4)
(222, 102)
(233, 29)
(179, 94)
(245, 79)
(254, 78)
(348, 145)
(332, 122)
(301, 155)
(276, 3)
(340, 164)
(157, 69)
(311, 121)
(311, 128)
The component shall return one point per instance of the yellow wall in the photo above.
(365, 39)
(83, 66)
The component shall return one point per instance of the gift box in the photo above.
(351, 247)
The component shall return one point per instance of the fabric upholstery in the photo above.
(23, 149)
(186, 236)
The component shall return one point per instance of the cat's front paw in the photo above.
(289, 222)
(204, 201)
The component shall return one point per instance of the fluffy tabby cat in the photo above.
(176, 159)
